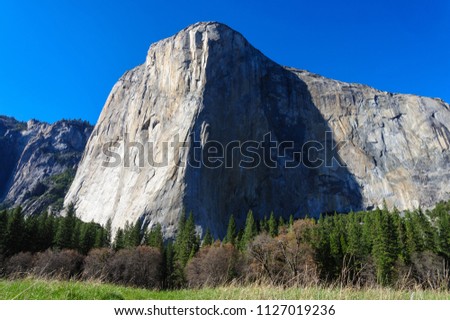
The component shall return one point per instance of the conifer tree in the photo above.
(264, 225)
(207, 239)
(15, 232)
(187, 241)
(87, 237)
(46, 231)
(108, 233)
(66, 229)
(385, 246)
(3, 229)
(76, 236)
(31, 242)
(322, 247)
(281, 222)
(443, 226)
(354, 235)
(100, 237)
(169, 276)
(155, 237)
(119, 240)
(250, 231)
(231, 232)
(273, 226)
(291, 220)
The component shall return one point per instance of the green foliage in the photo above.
(250, 231)
(381, 243)
(3, 229)
(67, 229)
(88, 237)
(231, 232)
(107, 234)
(15, 233)
(291, 220)
(119, 241)
(273, 225)
(154, 238)
(385, 246)
(207, 239)
(187, 242)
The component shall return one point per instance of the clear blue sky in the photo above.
(60, 59)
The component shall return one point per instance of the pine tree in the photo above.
(31, 242)
(207, 239)
(169, 266)
(15, 232)
(250, 231)
(155, 238)
(367, 232)
(321, 244)
(273, 226)
(76, 236)
(354, 235)
(335, 238)
(231, 232)
(443, 229)
(281, 222)
(87, 237)
(291, 220)
(264, 225)
(399, 226)
(108, 233)
(385, 246)
(187, 241)
(47, 231)
(413, 243)
(100, 237)
(132, 234)
(119, 240)
(66, 229)
(427, 232)
(3, 229)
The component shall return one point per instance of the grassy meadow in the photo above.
(38, 289)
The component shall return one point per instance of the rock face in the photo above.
(37, 160)
(206, 91)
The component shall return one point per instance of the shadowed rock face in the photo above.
(33, 153)
(207, 86)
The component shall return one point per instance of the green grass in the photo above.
(36, 289)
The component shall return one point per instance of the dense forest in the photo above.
(387, 248)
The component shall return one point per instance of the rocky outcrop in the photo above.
(38, 160)
(326, 145)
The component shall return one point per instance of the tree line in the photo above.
(367, 248)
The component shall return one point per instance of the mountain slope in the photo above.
(38, 161)
(208, 87)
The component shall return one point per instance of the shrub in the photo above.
(64, 264)
(139, 267)
(213, 266)
(297, 255)
(2, 265)
(96, 264)
(19, 265)
(265, 261)
(430, 270)
(285, 260)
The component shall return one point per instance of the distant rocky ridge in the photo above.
(38, 161)
(207, 83)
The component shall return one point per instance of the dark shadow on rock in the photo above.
(247, 97)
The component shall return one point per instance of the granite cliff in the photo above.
(38, 161)
(207, 88)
